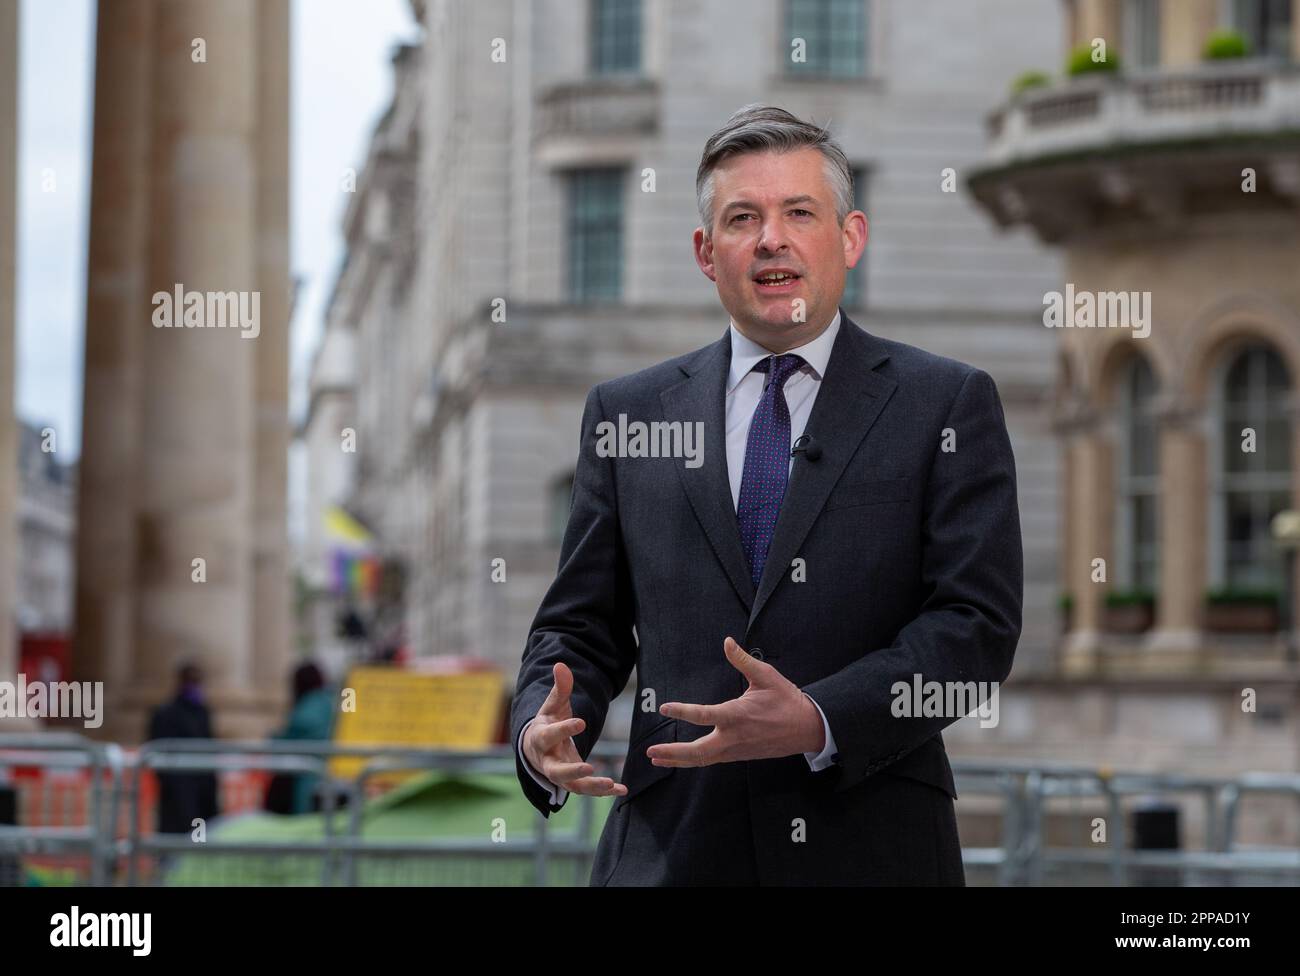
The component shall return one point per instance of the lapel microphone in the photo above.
(805, 445)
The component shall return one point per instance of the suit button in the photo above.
(756, 652)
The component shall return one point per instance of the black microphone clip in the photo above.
(809, 448)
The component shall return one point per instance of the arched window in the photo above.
(1137, 471)
(1253, 473)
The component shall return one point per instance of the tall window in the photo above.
(1138, 477)
(615, 36)
(855, 281)
(1253, 485)
(834, 34)
(1266, 25)
(595, 233)
(1142, 33)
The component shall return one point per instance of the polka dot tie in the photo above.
(767, 463)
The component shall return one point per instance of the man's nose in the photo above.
(772, 238)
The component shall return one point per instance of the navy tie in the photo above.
(767, 463)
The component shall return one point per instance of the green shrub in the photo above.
(1028, 80)
(1129, 598)
(1265, 597)
(1081, 62)
(1224, 45)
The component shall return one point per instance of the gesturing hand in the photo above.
(548, 743)
(773, 718)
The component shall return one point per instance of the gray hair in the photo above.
(766, 128)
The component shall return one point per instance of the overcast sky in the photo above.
(341, 84)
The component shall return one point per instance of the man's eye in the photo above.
(808, 212)
(738, 216)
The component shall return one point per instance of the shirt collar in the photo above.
(746, 353)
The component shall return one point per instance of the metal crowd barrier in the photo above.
(107, 841)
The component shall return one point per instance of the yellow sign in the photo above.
(405, 708)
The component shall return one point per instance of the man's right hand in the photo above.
(548, 743)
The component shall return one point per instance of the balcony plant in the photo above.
(1129, 611)
(1082, 63)
(1027, 80)
(1224, 45)
(1241, 610)
(1065, 603)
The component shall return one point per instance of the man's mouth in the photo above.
(776, 280)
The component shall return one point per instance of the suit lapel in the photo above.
(850, 399)
(702, 396)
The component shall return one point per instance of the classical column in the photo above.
(1099, 18)
(1175, 642)
(117, 300)
(1184, 27)
(271, 596)
(8, 425)
(1084, 518)
(190, 194)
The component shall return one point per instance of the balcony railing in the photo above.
(599, 106)
(1090, 114)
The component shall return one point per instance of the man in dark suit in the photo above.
(848, 533)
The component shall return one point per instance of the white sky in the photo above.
(341, 83)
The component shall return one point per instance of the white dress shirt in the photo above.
(744, 390)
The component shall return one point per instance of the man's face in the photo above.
(775, 211)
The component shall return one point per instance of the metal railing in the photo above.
(110, 843)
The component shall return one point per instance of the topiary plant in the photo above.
(1082, 62)
(1223, 45)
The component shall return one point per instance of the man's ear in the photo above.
(704, 253)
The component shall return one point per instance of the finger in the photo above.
(751, 667)
(704, 751)
(558, 698)
(694, 714)
(552, 734)
(562, 772)
(596, 786)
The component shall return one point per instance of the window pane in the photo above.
(834, 34)
(595, 234)
(615, 36)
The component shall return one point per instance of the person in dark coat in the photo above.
(182, 797)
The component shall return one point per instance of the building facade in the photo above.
(555, 205)
(1171, 188)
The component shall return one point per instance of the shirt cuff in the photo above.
(828, 755)
(558, 793)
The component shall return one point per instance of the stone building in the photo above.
(556, 203)
(1175, 182)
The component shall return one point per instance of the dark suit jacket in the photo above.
(912, 559)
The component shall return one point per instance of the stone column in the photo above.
(189, 190)
(1175, 642)
(117, 303)
(1084, 520)
(268, 690)
(1099, 18)
(8, 424)
(1184, 26)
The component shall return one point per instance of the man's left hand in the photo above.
(772, 719)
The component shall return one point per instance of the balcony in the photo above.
(1162, 145)
(597, 108)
